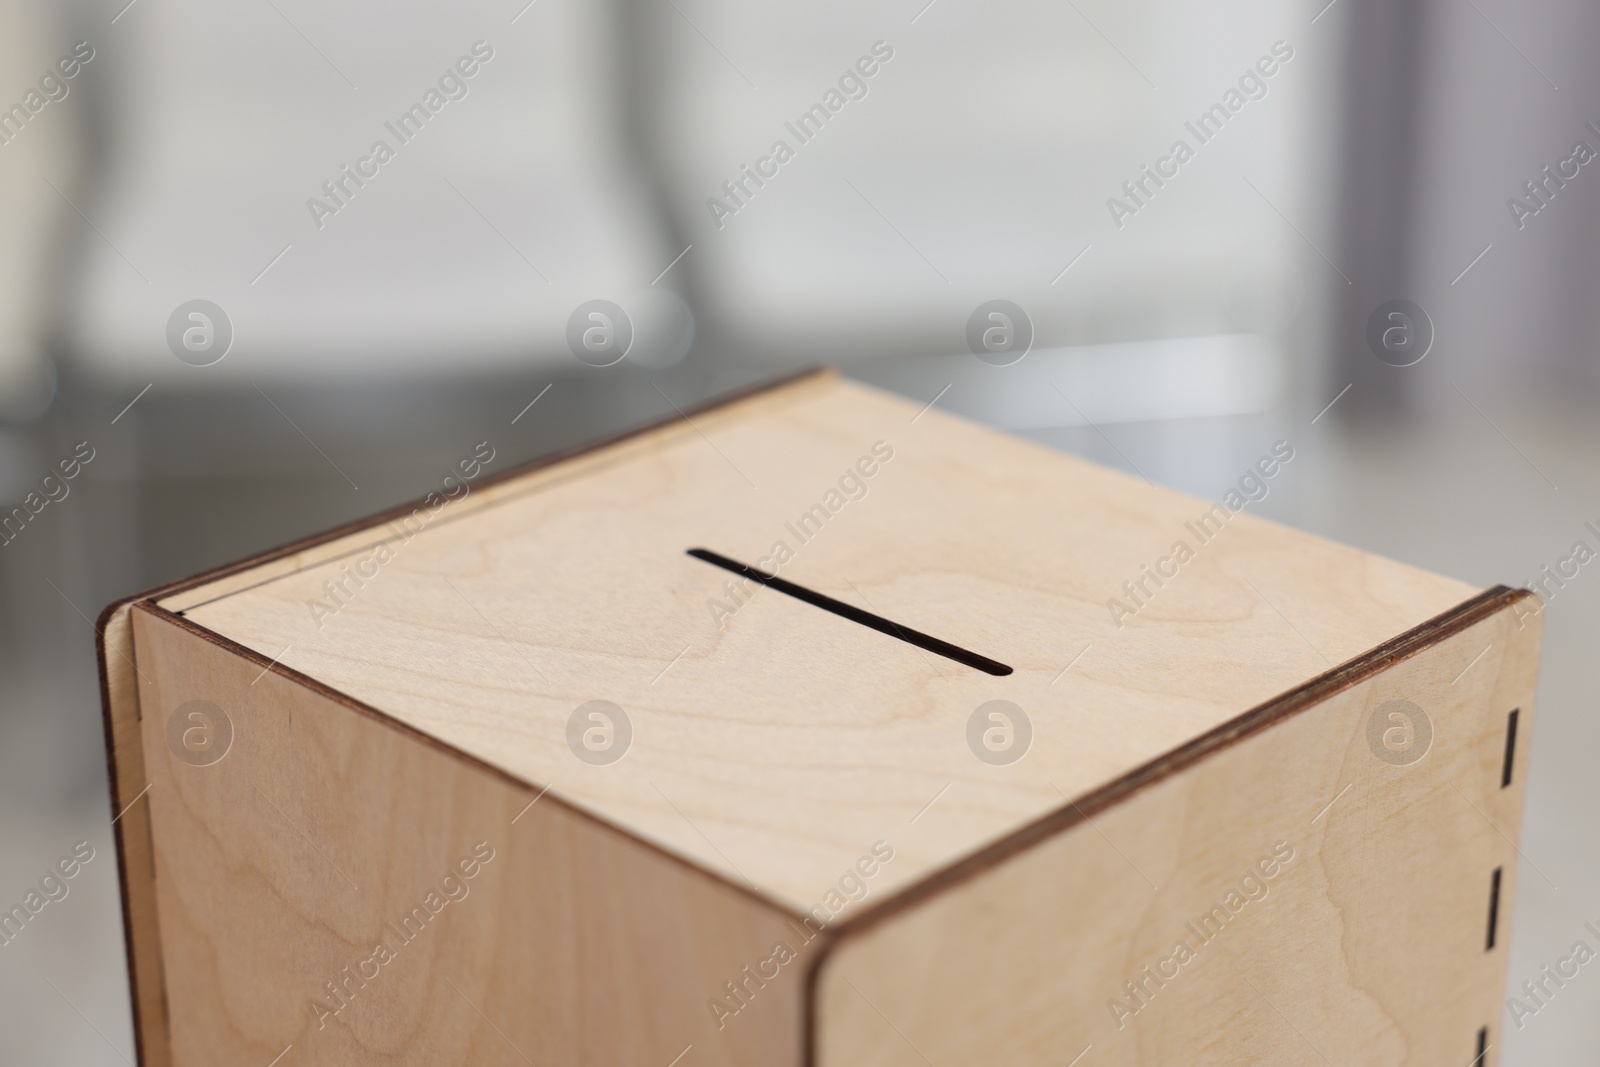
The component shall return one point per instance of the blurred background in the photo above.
(362, 333)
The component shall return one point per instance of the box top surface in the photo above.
(774, 741)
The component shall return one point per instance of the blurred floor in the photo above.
(1442, 489)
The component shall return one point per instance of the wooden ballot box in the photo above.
(819, 727)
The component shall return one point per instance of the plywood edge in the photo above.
(358, 534)
(605, 825)
(1077, 810)
(130, 826)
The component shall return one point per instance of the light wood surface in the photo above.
(775, 748)
(1368, 947)
(289, 859)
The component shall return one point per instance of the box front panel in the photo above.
(1334, 888)
(333, 890)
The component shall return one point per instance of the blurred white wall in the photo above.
(474, 241)
(978, 165)
(981, 162)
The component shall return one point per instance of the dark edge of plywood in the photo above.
(1261, 717)
(143, 937)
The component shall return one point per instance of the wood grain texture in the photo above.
(776, 745)
(323, 827)
(1367, 947)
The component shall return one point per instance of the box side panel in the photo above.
(1320, 891)
(120, 684)
(329, 882)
